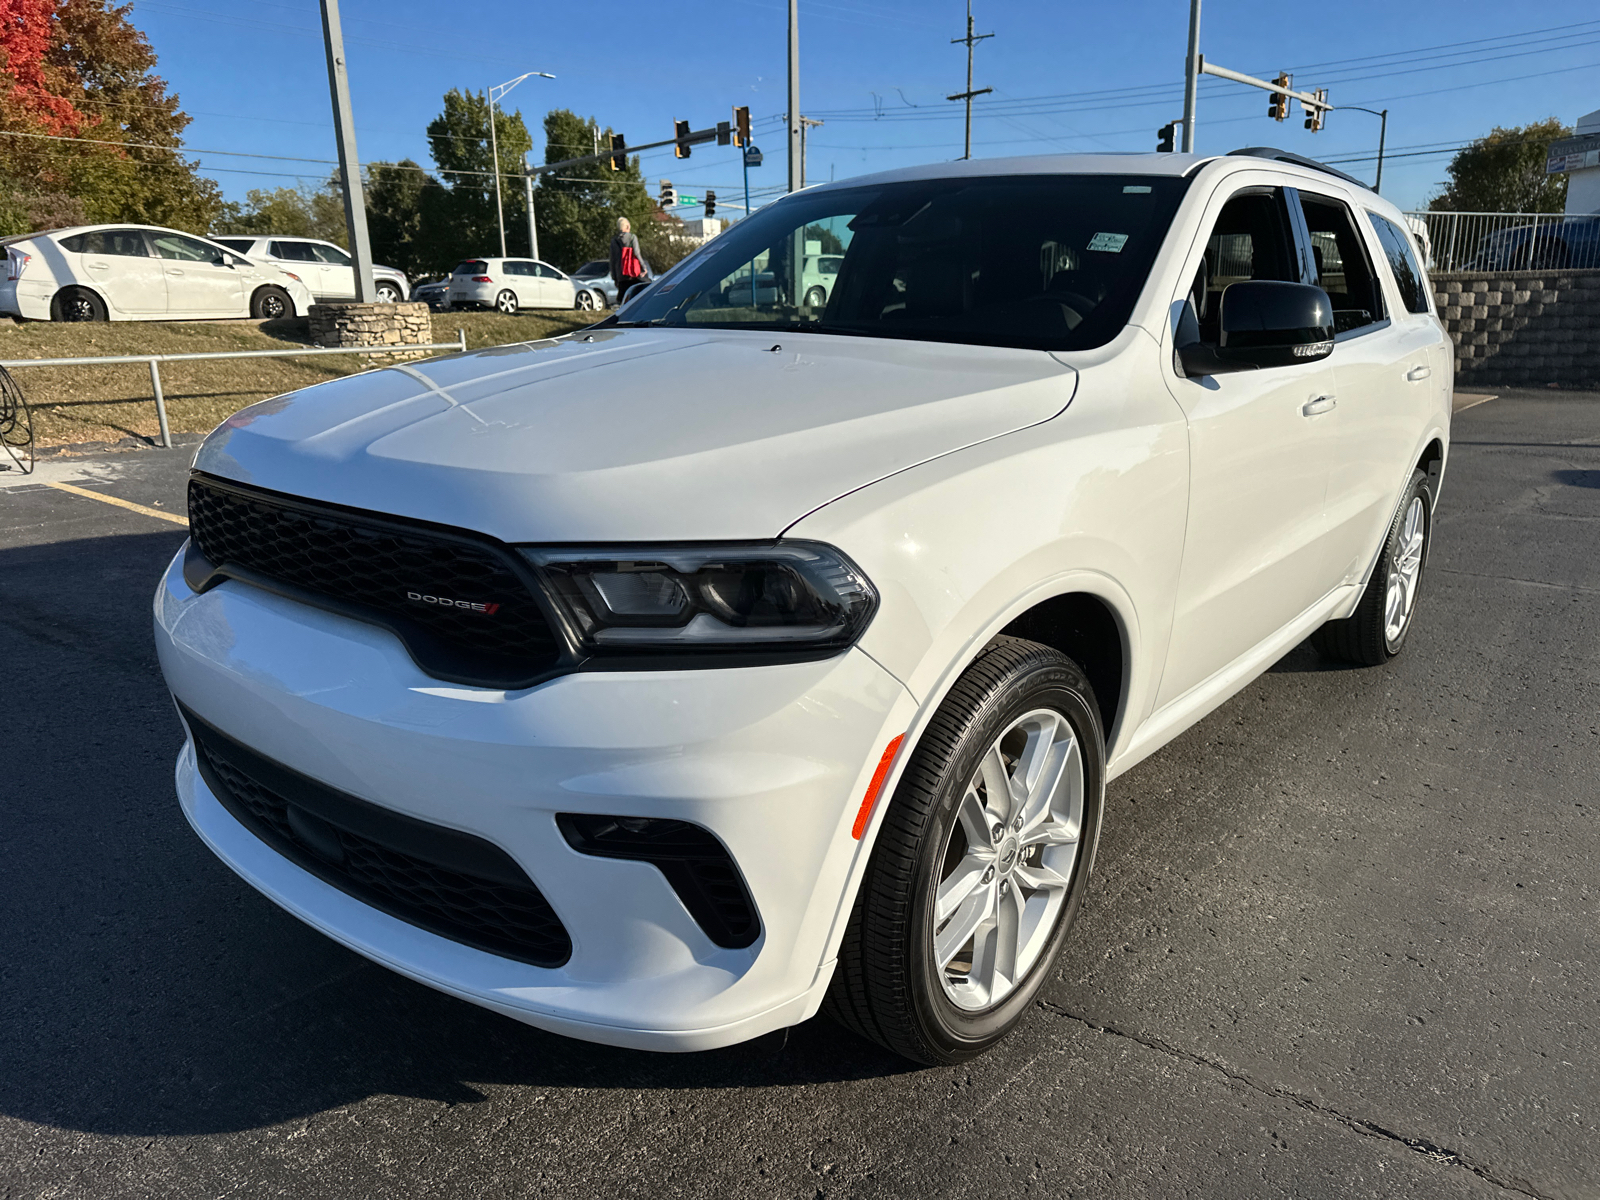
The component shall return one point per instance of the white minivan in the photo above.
(667, 682)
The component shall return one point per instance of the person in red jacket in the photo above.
(628, 268)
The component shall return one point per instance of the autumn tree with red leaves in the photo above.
(80, 69)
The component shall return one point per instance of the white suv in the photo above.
(666, 682)
(328, 269)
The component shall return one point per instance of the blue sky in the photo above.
(1067, 77)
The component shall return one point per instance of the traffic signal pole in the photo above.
(1191, 82)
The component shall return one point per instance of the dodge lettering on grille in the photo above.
(488, 609)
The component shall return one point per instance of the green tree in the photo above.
(403, 204)
(577, 210)
(304, 211)
(458, 138)
(1504, 172)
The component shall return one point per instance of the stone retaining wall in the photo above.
(1522, 328)
(371, 324)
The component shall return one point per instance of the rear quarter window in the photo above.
(1409, 278)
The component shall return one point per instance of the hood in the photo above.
(650, 434)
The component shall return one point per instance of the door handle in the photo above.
(1418, 373)
(1319, 404)
(173, 271)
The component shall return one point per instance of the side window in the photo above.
(515, 268)
(1343, 270)
(178, 248)
(546, 272)
(126, 242)
(1251, 240)
(331, 255)
(1408, 276)
(292, 251)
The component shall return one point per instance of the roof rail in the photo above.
(1298, 160)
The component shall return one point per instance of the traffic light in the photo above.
(619, 152)
(669, 195)
(680, 130)
(1167, 136)
(724, 133)
(1315, 113)
(741, 126)
(711, 204)
(1278, 107)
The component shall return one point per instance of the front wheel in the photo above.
(1376, 631)
(388, 293)
(506, 302)
(269, 303)
(586, 301)
(816, 298)
(981, 862)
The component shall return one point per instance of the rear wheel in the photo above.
(816, 298)
(981, 862)
(270, 303)
(506, 302)
(77, 304)
(1377, 630)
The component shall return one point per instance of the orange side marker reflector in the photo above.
(871, 799)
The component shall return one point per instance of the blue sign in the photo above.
(752, 156)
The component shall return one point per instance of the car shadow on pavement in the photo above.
(147, 990)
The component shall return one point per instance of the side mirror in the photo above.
(1264, 324)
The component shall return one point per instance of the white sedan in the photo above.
(140, 273)
(507, 284)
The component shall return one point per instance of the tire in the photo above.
(890, 985)
(269, 303)
(816, 298)
(77, 304)
(388, 293)
(506, 302)
(1376, 632)
(586, 301)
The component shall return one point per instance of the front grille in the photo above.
(377, 568)
(450, 883)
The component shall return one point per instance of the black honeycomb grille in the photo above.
(477, 895)
(371, 566)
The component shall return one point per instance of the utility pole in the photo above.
(806, 124)
(533, 228)
(344, 132)
(1191, 78)
(795, 127)
(971, 40)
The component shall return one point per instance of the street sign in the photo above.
(752, 156)
(685, 199)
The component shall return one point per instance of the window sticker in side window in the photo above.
(1108, 243)
(1136, 189)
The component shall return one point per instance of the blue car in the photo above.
(1560, 243)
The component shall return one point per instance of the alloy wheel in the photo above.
(1405, 571)
(1009, 860)
(506, 303)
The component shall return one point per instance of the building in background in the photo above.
(1579, 158)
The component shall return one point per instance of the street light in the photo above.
(1383, 134)
(498, 92)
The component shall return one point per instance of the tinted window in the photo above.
(473, 266)
(1343, 270)
(329, 254)
(292, 251)
(237, 245)
(1043, 261)
(1408, 276)
(1251, 240)
(546, 272)
(128, 243)
(184, 249)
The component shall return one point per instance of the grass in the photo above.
(106, 404)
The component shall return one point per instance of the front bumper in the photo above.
(772, 760)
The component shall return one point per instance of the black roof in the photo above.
(1298, 160)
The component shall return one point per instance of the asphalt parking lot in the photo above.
(1341, 942)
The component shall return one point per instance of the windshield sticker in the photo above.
(1109, 243)
(1136, 189)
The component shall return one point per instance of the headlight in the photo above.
(783, 598)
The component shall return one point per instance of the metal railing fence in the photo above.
(1472, 241)
(155, 360)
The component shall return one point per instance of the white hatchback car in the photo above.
(664, 683)
(328, 269)
(507, 284)
(140, 273)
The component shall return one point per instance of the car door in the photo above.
(301, 259)
(338, 271)
(120, 264)
(1382, 375)
(199, 278)
(555, 289)
(1254, 556)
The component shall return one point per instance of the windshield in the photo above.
(1052, 262)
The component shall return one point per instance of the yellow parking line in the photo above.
(129, 504)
